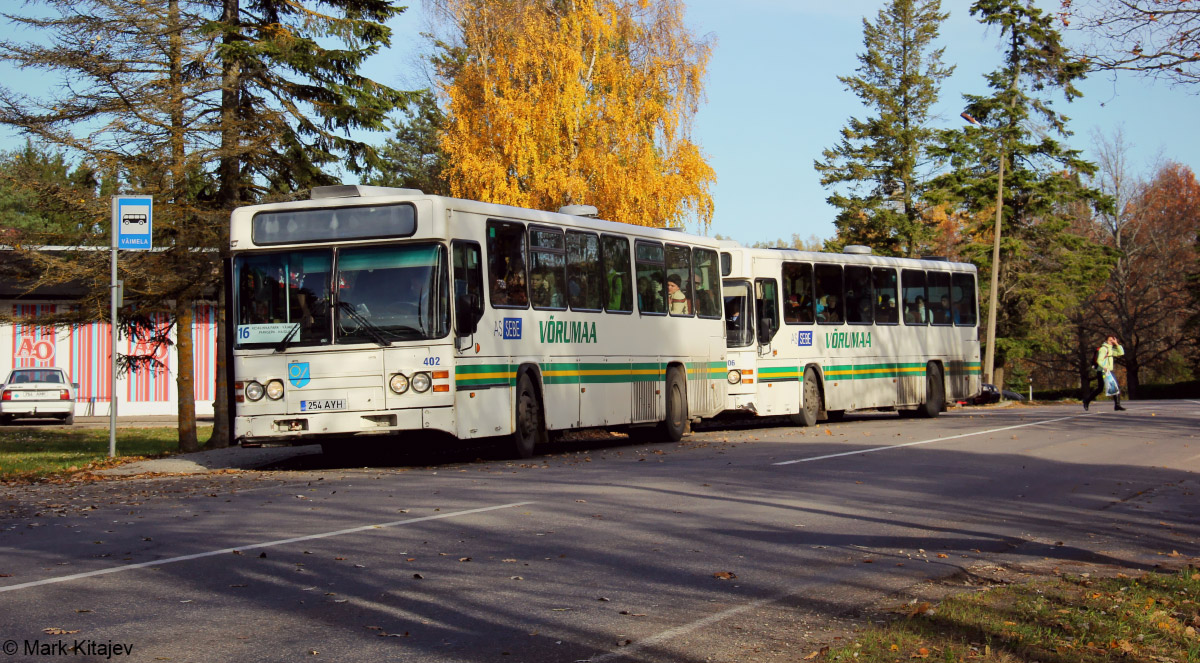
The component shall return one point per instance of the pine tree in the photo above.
(1045, 268)
(413, 157)
(882, 158)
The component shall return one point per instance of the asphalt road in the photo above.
(737, 544)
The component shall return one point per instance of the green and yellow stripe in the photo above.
(869, 371)
(505, 375)
(780, 374)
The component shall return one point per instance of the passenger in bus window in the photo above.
(917, 314)
(678, 300)
(944, 312)
(538, 290)
(514, 288)
(827, 309)
(554, 293)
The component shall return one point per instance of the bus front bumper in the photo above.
(309, 427)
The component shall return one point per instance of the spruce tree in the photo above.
(1045, 267)
(882, 158)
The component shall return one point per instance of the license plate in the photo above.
(323, 405)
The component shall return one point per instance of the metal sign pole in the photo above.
(112, 382)
(132, 229)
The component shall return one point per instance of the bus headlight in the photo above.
(734, 377)
(398, 383)
(254, 391)
(421, 382)
(275, 390)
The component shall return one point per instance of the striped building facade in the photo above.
(85, 353)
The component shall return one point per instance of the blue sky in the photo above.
(774, 102)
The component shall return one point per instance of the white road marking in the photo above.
(939, 439)
(256, 546)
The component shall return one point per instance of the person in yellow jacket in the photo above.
(1104, 364)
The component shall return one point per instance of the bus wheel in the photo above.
(935, 392)
(674, 426)
(530, 429)
(810, 402)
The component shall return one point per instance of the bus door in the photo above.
(766, 308)
(778, 382)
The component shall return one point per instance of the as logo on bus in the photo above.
(804, 339)
(508, 328)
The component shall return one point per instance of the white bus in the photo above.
(377, 311)
(812, 335)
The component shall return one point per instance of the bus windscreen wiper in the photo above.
(287, 339)
(374, 332)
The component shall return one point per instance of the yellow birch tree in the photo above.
(557, 102)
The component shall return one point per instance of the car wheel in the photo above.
(69, 420)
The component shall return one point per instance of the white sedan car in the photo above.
(38, 393)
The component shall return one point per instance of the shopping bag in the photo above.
(1111, 388)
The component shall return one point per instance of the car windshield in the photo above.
(378, 294)
(392, 293)
(36, 375)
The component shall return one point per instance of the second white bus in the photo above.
(812, 335)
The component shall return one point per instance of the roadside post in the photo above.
(132, 221)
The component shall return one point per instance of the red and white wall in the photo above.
(85, 353)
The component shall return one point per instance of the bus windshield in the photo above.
(378, 294)
(283, 297)
(398, 293)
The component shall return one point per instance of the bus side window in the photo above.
(618, 279)
(886, 311)
(916, 308)
(860, 297)
(583, 271)
(963, 300)
(798, 306)
(937, 285)
(506, 264)
(706, 293)
(468, 288)
(680, 289)
(830, 305)
(650, 263)
(547, 268)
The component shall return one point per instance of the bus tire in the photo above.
(530, 429)
(675, 424)
(810, 401)
(935, 392)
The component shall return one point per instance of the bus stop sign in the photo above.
(132, 219)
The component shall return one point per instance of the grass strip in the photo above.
(1154, 618)
(28, 454)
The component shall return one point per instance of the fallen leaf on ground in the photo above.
(724, 575)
